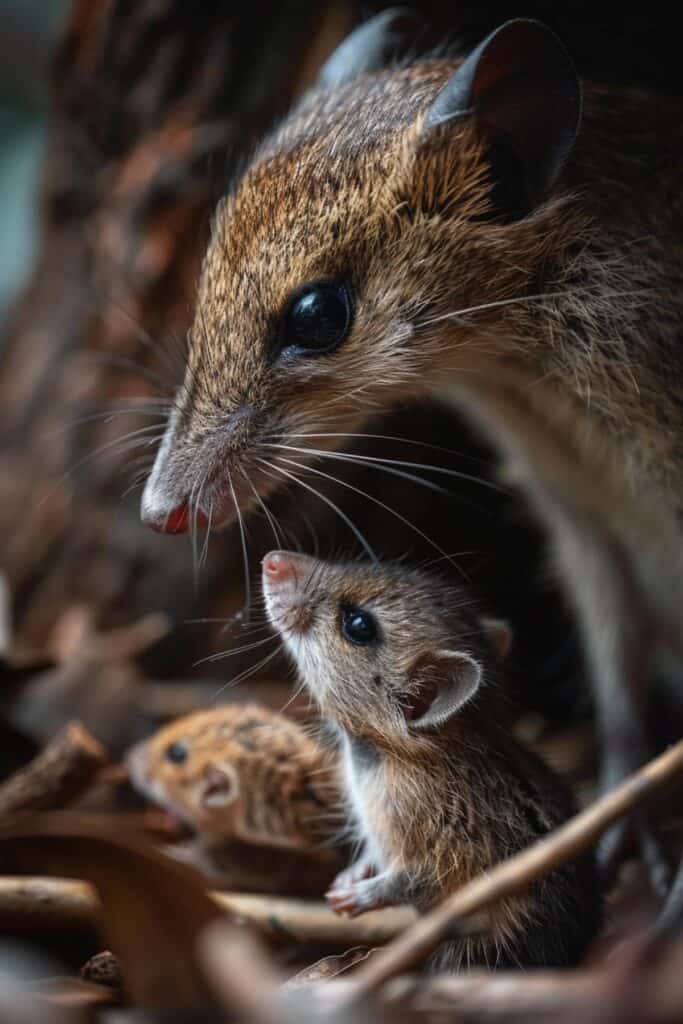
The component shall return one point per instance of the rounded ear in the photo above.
(521, 87)
(441, 684)
(368, 48)
(499, 634)
(219, 785)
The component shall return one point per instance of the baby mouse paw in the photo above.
(355, 873)
(354, 898)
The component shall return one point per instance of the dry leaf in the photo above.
(330, 966)
(153, 908)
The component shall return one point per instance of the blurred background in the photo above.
(29, 30)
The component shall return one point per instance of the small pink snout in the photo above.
(279, 566)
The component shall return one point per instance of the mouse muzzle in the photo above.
(285, 575)
(199, 478)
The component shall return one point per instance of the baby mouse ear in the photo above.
(521, 87)
(368, 48)
(441, 684)
(219, 785)
(499, 634)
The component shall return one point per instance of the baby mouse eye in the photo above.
(176, 752)
(358, 625)
(317, 319)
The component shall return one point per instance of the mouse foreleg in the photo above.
(370, 893)
(362, 868)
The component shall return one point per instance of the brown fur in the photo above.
(283, 789)
(580, 390)
(343, 188)
(438, 807)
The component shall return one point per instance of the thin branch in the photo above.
(57, 776)
(510, 997)
(47, 904)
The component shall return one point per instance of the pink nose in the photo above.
(278, 566)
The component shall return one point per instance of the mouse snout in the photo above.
(280, 567)
(175, 520)
(285, 576)
(286, 567)
(165, 513)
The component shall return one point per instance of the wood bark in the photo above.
(154, 104)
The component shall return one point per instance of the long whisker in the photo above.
(234, 650)
(379, 463)
(267, 513)
(173, 351)
(126, 443)
(193, 506)
(248, 672)
(375, 501)
(205, 547)
(455, 473)
(138, 481)
(109, 415)
(160, 381)
(245, 554)
(539, 297)
(328, 501)
(146, 339)
(298, 690)
(386, 437)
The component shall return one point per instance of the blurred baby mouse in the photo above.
(241, 773)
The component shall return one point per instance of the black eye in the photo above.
(317, 319)
(358, 625)
(176, 752)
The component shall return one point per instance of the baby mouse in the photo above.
(405, 670)
(240, 772)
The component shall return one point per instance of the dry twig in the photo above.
(59, 774)
(45, 904)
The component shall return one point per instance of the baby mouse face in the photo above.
(386, 652)
(190, 768)
(238, 772)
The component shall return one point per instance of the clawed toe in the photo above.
(344, 901)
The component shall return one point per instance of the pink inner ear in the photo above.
(419, 701)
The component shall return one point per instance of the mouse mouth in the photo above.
(174, 827)
(207, 477)
(216, 503)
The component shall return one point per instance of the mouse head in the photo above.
(193, 769)
(392, 205)
(386, 652)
